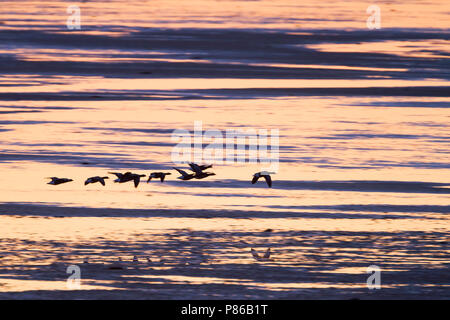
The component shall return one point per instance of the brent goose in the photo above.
(96, 179)
(199, 174)
(265, 175)
(160, 175)
(128, 176)
(257, 257)
(185, 175)
(55, 180)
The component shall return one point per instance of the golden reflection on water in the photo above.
(328, 139)
(282, 14)
(175, 195)
(89, 228)
(249, 284)
(419, 49)
(48, 245)
(86, 84)
(324, 139)
(19, 285)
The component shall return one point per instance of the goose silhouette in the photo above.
(265, 257)
(128, 176)
(161, 175)
(199, 174)
(55, 180)
(265, 175)
(185, 175)
(96, 179)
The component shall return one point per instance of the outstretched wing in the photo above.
(182, 172)
(102, 181)
(267, 254)
(255, 179)
(255, 254)
(118, 174)
(136, 181)
(195, 168)
(268, 180)
(204, 167)
(163, 176)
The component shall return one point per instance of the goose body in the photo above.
(96, 179)
(203, 175)
(55, 180)
(160, 175)
(128, 176)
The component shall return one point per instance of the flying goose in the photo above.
(160, 175)
(55, 180)
(265, 175)
(96, 179)
(185, 175)
(128, 176)
(195, 167)
(257, 257)
(199, 174)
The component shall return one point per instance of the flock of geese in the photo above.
(198, 172)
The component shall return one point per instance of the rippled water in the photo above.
(363, 117)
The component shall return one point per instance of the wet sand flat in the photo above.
(363, 179)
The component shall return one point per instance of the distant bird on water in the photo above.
(265, 175)
(161, 175)
(117, 265)
(128, 176)
(55, 180)
(96, 179)
(265, 257)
